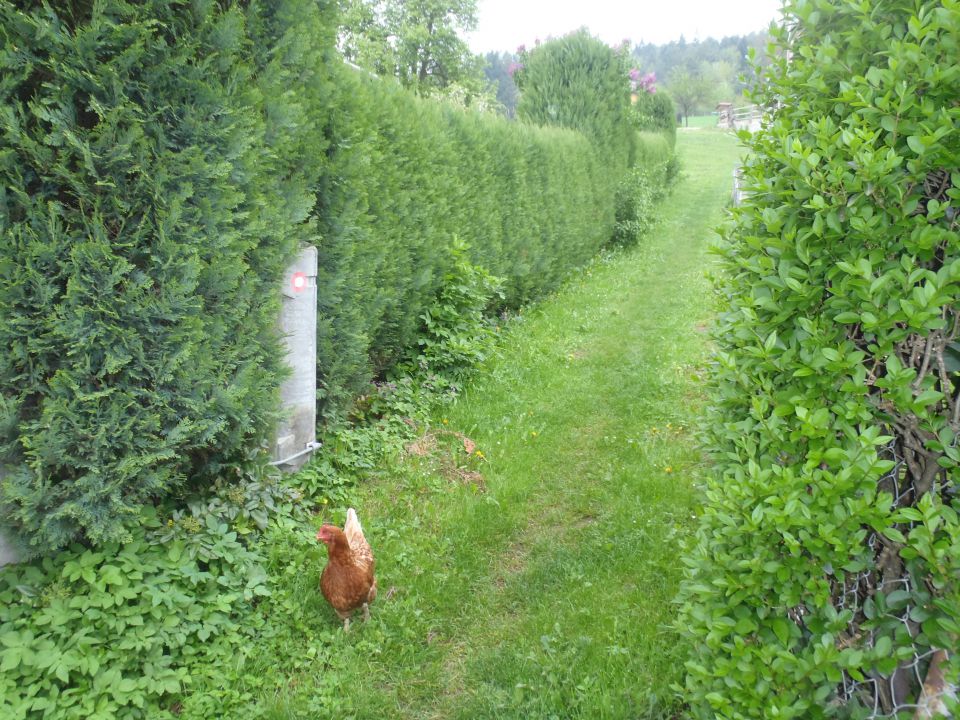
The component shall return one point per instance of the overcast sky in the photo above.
(505, 24)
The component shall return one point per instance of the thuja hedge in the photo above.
(656, 112)
(409, 178)
(156, 175)
(577, 82)
(825, 577)
(160, 163)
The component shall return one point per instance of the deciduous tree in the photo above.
(418, 41)
(689, 90)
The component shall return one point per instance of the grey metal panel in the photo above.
(7, 554)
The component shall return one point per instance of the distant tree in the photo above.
(499, 71)
(690, 91)
(732, 53)
(364, 39)
(720, 77)
(578, 82)
(417, 41)
(430, 52)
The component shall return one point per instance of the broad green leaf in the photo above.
(916, 144)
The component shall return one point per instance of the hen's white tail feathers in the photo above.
(352, 525)
(354, 532)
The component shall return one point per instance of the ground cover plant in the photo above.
(825, 579)
(111, 632)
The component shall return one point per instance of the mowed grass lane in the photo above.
(536, 579)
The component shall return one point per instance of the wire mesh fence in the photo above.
(899, 693)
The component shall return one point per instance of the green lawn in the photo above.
(533, 578)
(701, 121)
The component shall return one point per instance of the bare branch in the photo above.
(924, 483)
(927, 356)
(946, 387)
(913, 344)
(913, 466)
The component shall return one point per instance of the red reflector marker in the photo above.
(298, 282)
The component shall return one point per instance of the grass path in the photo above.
(537, 581)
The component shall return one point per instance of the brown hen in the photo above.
(347, 581)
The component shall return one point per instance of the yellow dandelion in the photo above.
(533, 433)
(479, 454)
(668, 469)
(445, 421)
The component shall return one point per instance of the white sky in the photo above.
(505, 24)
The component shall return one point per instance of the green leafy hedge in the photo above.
(825, 577)
(156, 175)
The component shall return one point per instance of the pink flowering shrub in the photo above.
(647, 83)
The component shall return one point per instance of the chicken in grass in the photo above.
(347, 581)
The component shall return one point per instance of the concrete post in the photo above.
(7, 554)
(737, 196)
(296, 436)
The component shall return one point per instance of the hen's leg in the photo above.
(346, 624)
(366, 612)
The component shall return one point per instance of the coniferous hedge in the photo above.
(156, 174)
(161, 162)
(579, 82)
(656, 112)
(408, 178)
